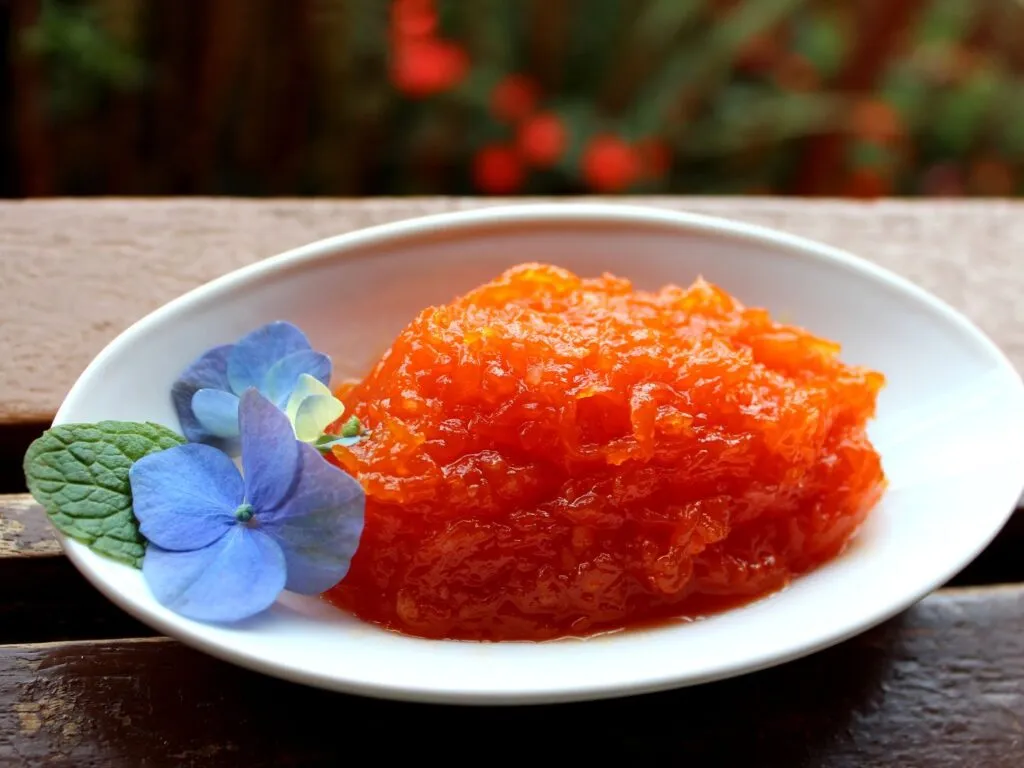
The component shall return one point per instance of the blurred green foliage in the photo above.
(526, 96)
(82, 58)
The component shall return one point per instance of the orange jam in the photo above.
(550, 455)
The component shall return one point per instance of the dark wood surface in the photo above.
(943, 684)
(83, 684)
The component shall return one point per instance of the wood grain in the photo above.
(81, 271)
(934, 687)
(24, 530)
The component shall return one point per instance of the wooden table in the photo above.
(82, 684)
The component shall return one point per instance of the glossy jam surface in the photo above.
(550, 455)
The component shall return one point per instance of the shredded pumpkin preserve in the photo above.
(550, 455)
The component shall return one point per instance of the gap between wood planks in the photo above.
(14, 441)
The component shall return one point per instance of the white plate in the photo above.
(950, 429)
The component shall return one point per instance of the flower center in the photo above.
(244, 512)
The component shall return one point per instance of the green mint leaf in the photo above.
(352, 428)
(79, 473)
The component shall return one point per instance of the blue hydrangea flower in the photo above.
(270, 359)
(223, 546)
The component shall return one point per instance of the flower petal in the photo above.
(185, 497)
(270, 452)
(315, 414)
(216, 411)
(255, 354)
(319, 524)
(283, 376)
(210, 371)
(305, 386)
(237, 576)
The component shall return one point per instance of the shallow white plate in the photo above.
(950, 429)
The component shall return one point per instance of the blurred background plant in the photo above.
(507, 97)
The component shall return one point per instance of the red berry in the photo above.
(514, 98)
(413, 18)
(422, 67)
(498, 170)
(610, 164)
(542, 139)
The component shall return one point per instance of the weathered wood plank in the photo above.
(24, 530)
(81, 271)
(942, 685)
